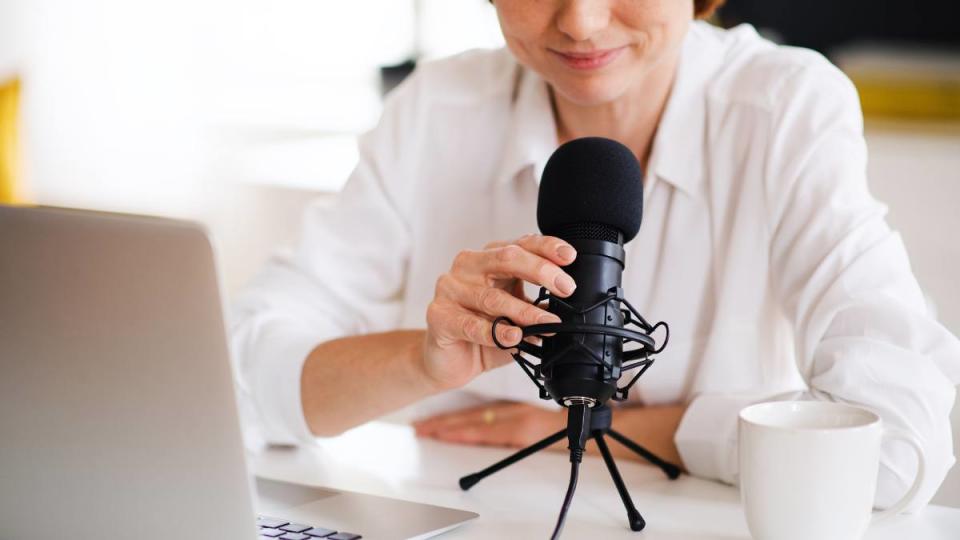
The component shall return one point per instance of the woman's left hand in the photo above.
(503, 423)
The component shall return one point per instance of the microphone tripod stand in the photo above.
(583, 421)
(600, 421)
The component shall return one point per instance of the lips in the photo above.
(588, 60)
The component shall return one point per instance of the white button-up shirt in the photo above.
(760, 246)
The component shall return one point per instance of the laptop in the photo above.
(118, 415)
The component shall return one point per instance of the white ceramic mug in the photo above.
(808, 469)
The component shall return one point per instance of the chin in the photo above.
(589, 92)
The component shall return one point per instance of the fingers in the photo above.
(484, 285)
(500, 424)
(472, 415)
(533, 258)
(495, 244)
(451, 323)
(513, 261)
(549, 247)
(494, 302)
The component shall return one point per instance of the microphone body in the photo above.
(585, 368)
(591, 195)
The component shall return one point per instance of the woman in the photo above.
(761, 246)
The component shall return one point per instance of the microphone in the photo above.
(591, 195)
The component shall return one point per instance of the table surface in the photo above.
(523, 500)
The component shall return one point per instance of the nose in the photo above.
(583, 19)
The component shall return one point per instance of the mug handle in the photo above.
(910, 439)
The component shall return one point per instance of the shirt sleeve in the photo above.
(864, 334)
(346, 276)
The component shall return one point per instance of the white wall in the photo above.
(135, 105)
(916, 171)
(11, 38)
(110, 117)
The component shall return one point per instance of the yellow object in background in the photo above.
(904, 83)
(9, 142)
(909, 99)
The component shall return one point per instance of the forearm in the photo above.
(351, 380)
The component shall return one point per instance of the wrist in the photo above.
(445, 369)
(418, 355)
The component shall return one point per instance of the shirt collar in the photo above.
(532, 134)
(679, 145)
(678, 153)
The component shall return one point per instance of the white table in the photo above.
(522, 501)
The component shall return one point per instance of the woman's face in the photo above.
(593, 51)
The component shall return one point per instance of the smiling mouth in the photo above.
(588, 60)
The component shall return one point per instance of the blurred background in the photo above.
(239, 113)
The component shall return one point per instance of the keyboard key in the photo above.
(271, 533)
(344, 536)
(272, 523)
(319, 532)
(295, 527)
(294, 536)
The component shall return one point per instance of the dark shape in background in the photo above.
(825, 25)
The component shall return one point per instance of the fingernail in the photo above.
(514, 335)
(566, 253)
(548, 318)
(566, 284)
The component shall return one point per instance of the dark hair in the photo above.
(705, 8)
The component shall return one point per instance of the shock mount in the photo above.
(638, 359)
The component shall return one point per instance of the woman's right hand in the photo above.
(481, 286)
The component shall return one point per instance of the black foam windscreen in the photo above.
(589, 186)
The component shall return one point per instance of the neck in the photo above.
(631, 119)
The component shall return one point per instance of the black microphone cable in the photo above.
(578, 431)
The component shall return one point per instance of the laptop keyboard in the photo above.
(279, 529)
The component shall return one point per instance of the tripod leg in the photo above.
(636, 520)
(671, 470)
(468, 481)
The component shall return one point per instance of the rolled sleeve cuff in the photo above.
(277, 368)
(707, 436)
